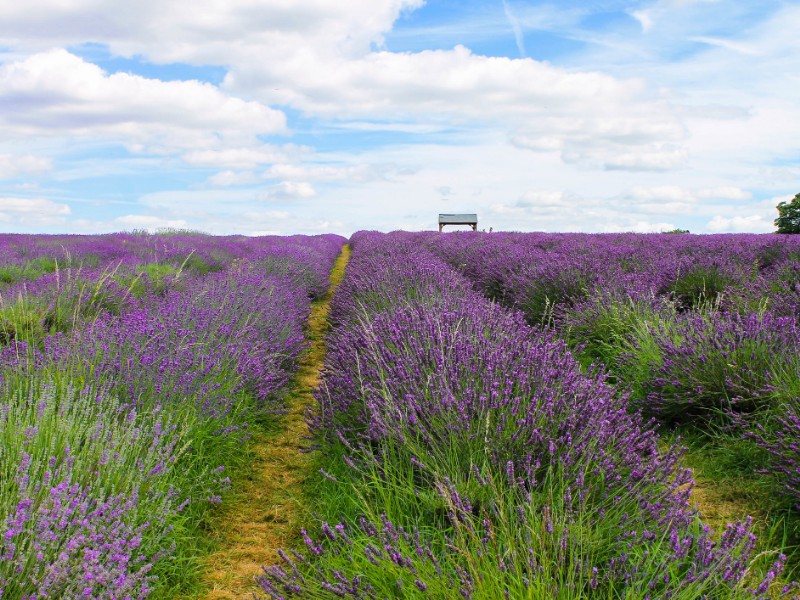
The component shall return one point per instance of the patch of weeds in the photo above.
(698, 286)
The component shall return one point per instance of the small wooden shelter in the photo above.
(470, 219)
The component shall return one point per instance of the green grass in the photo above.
(150, 278)
(698, 286)
(733, 482)
(503, 525)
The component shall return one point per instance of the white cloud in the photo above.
(544, 199)
(207, 33)
(11, 166)
(638, 227)
(450, 86)
(311, 172)
(295, 178)
(229, 178)
(737, 224)
(384, 126)
(671, 193)
(648, 138)
(58, 93)
(652, 158)
(679, 193)
(268, 216)
(724, 193)
(645, 19)
(28, 212)
(243, 157)
(289, 190)
(537, 142)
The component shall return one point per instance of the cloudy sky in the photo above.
(306, 116)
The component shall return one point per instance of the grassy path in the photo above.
(267, 510)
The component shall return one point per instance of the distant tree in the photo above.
(788, 220)
(678, 230)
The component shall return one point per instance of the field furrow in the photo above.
(268, 508)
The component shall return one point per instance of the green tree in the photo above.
(788, 220)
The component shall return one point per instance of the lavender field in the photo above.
(131, 366)
(498, 418)
(500, 415)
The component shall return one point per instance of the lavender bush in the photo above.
(777, 432)
(85, 511)
(708, 363)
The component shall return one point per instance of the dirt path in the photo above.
(267, 510)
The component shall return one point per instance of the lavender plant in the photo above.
(85, 502)
(780, 439)
(709, 362)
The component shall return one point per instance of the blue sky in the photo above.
(306, 116)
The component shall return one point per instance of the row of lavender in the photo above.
(130, 367)
(701, 328)
(48, 282)
(469, 455)
(537, 271)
